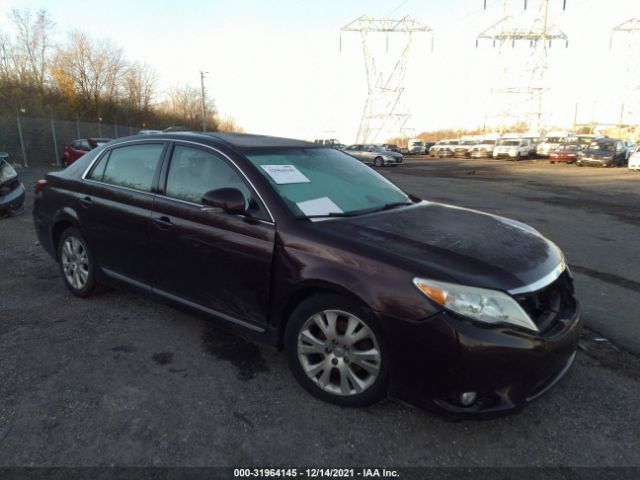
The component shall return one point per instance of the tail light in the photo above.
(40, 184)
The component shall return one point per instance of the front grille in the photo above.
(548, 306)
(9, 187)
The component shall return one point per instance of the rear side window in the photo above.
(133, 166)
(98, 170)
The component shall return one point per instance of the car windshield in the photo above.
(318, 182)
(488, 142)
(554, 140)
(468, 142)
(602, 145)
(6, 171)
(568, 146)
(417, 144)
(510, 143)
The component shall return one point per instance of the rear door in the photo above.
(115, 208)
(206, 257)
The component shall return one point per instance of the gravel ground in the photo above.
(121, 380)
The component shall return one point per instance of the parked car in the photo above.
(634, 159)
(630, 147)
(551, 141)
(443, 148)
(483, 149)
(513, 148)
(566, 153)
(79, 147)
(330, 142)
(149, 132)
(463, 149)
(603, 152)
(368, 289)
(416, 147)
(11, 189)
(391, 147)
(374, 155)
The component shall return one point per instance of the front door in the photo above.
(206, 256)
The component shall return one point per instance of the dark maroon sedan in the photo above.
(565, 153)
(370, 291)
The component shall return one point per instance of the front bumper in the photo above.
(392, 161)
(482, 153)
(12, 202)
(595, 162)
(504, 155)
(445, 355)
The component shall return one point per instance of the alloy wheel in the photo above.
(75, 262)
(339, 352)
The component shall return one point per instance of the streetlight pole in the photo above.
(204, 121)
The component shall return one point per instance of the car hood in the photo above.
(454, 244)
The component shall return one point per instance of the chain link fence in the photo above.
(33, 141)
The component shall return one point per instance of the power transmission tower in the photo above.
(519, 86)
(384, 112)
(626, 38)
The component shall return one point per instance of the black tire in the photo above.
(90, 285)
(378, 162)
(376, 391)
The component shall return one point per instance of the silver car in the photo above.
(374, 155)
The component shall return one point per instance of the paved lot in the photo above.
(122, 380)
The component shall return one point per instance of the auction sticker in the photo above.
(284, 174)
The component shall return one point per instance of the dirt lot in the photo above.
(122, 380)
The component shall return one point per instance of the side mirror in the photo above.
(231, 200)
(370, 149)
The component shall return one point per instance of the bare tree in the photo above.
(229, 124)
(96, 68)
(185, 101)
(140, 82)
(32, 47)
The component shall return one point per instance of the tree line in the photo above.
(88, 78)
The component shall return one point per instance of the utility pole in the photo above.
(626, 39)
(384, 113)
(204, 120)
(522, 86)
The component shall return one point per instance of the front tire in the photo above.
(76, 263)
(336, 351)
(377, 162)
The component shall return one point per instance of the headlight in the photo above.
(482, 305)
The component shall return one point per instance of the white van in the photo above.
(416, 147)
(513, 148)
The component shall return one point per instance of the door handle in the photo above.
(163, 223)
(86, 202)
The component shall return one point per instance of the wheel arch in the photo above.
(308, 290)
(66, 218)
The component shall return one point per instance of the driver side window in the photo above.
(193, 172)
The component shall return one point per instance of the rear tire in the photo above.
(336, 351)
(76, 263)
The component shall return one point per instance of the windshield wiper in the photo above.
(354, 213)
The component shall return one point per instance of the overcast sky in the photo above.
(276, 66)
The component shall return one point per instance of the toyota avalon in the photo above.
(370, 291)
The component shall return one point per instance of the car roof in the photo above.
(239, 140)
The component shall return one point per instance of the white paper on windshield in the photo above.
(283, 174)
(318, 206)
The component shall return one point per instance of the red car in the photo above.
(567, 153)
(79, 147)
